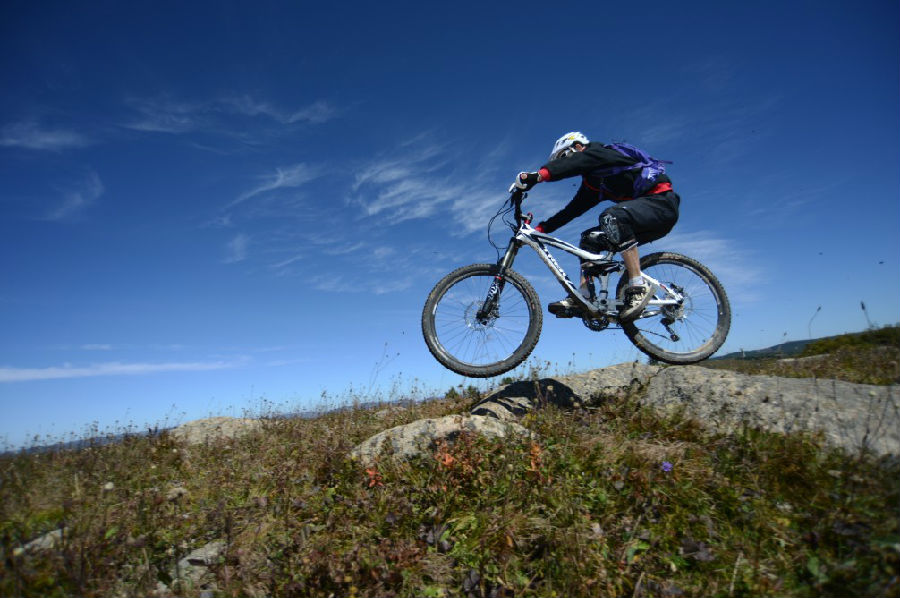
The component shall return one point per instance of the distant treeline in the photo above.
(887, 336)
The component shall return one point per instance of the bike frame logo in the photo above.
(554, 263)
(495, 288)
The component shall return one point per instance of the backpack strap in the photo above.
(649, 166)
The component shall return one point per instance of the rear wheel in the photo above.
(687, 333)
(486, 346)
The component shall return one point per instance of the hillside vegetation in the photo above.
(610, 501)
(869, 357)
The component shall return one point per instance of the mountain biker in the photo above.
(632, 221)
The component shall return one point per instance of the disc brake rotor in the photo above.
(471, 316)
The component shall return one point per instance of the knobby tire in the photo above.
(468, 347)
(701, 287)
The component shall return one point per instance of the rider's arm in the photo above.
(593, 157)
(584, 200)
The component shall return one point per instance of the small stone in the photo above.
(108, 486)
(176, 493)
(48, 541)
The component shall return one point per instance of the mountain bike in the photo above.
(485, 319)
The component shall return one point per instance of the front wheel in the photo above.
(470, 342)
(685, 333)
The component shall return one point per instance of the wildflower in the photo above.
(374, 477)
(666, 466)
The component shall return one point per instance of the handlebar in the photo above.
(515, 199)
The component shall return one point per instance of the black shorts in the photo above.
(642, 219)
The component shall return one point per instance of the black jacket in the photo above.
(594, 188)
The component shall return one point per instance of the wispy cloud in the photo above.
(167, 115)
(316, 113)
(220, 221)
(237, 248)
(423, 181)
(415, 179)
(413, 160)
(291, 176)
(108, 369)
(732, 265)
(793, 199)
(97, 347)
(281, 266)
(164, 115)
(727, 126)
(338, 284)
(30, 135)
(714, 73)
(78, 199)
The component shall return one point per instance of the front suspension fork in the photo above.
(491, 304)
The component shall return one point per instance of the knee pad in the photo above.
(618, 234)
(610, 227)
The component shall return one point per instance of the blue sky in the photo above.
(209, 205)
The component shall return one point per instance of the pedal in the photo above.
(566, 312)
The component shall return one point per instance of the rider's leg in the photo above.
(594, 243)
(632, 262)
(632, 222)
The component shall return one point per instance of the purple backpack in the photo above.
(650, 167)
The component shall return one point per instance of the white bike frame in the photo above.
(602, 306)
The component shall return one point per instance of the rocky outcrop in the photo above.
(193, 573)
(590, 388)
(48, 541)
(850, 416)
(421, 437)
(204, 430)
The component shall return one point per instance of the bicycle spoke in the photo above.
(472, 341)
(679, 329)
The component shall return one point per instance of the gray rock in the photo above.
(48, 541)
(612, 382)
(203, 430)
(850, 416)
(193, 571)
(511, 402)
(419, 437)
(176, 493)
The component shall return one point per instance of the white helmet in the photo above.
(567, 141)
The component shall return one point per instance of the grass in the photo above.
(870, 357)
(610, 501)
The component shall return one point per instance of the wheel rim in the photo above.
(475, 343)
(695, 321)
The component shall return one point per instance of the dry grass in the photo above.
(610, 501)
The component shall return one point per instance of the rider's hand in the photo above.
(525, 181)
